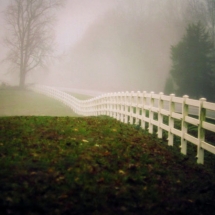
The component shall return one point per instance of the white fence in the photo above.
(155, 110)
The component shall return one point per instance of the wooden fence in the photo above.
(150, 111)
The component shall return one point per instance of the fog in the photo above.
(109, 45)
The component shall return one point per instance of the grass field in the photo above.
(27, 103)
(64, 165)
(92, 165)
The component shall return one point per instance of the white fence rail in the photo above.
(155, 110)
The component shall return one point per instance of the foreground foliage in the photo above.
(62, 165)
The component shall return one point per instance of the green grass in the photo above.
(96, 165)
(16, 102)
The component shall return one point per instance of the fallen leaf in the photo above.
(100, 180)
(69, 169)
(35, 155)
(50, 170)
(132, 166)
(85, 141)
(60, 178)
(106, 153)
(150, 167)
(63, 196)
(9, 199)
(33, 173)
(121, 172)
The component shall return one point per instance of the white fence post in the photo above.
(107, 105)
(126, 106)
(110, 108)
(143, 123)
(151, 114)
(114, 105)
(117, 106)
(131, 108)
(171, 120)
(160, 116)
(122, 107)
(138, 102)
(184, 125)
(201, 132)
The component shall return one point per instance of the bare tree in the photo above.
(29, 34)
(211, 18)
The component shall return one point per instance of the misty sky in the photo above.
(76, 17)
(72, 20)
(110, 45)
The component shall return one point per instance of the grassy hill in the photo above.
(66, 165)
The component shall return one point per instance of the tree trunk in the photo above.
(22, 79)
